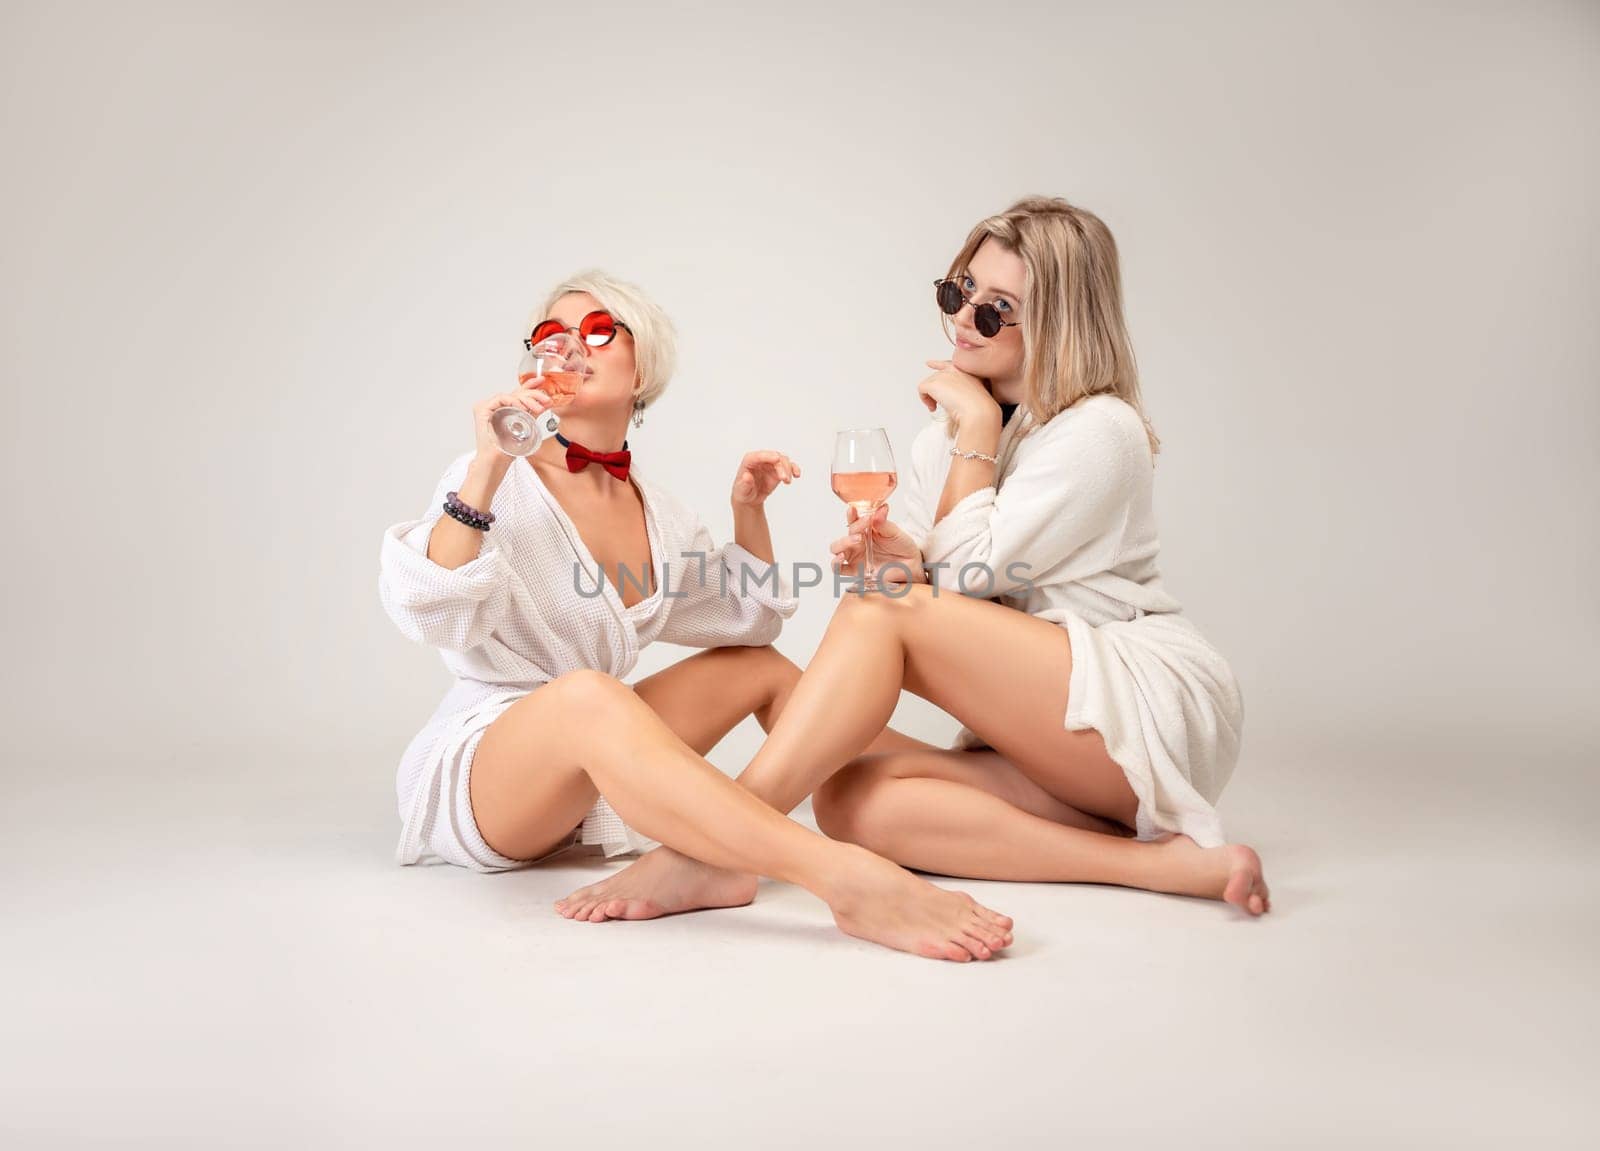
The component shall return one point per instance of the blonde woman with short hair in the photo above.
(541, 578)
(1098, 725)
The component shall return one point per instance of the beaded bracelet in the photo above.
(467, 514)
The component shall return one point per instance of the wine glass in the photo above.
(557, 366)
(863, 476)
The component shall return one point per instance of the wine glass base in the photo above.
(862, 585)
(518, 434)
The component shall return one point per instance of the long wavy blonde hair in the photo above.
(1074, 339)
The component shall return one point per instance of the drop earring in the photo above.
(638, 413)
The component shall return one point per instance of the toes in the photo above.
(1238, 888)
(987, 925)
(575, 905)
(980, 929)
(640, 909)
(1262, 896)
(979, 909)
(599, 907)
(1002, 922)
(978, 945)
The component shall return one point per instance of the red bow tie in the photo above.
(580, 457)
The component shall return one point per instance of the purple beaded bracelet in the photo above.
(467, 514)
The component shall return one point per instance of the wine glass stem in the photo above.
(866, 575)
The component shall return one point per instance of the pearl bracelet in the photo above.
(973, 455)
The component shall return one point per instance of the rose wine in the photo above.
(556, 367)
(863, 476)
(561, 387)
(865, 490)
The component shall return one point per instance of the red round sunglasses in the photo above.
(596, 330)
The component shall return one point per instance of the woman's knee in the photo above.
(588, 692)
(845, 803)
(892, 607)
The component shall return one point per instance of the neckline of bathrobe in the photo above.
(581, 549)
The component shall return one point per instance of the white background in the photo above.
(260, 260)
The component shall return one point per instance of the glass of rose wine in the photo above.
(863, 476)
(556, 366)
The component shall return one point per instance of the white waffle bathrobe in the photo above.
(524, 612)
(1073, 504)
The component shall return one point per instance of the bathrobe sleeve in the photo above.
(724, 596)
(450, 608)
(1067, 498)
(920, 496)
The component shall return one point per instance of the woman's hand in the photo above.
(891, 544)
(531, 400)
(959, 393)
(758, 477)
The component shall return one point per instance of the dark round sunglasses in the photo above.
(985, 317)
(596, 330)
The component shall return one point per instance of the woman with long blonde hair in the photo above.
(1022, 596)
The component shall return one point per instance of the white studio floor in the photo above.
(216, 950)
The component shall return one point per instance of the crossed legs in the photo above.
(1046, 804)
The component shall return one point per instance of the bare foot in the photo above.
(1231, 873)
(1246, 886)
(660, 882)
(883, 903)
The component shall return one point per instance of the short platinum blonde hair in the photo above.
(655, 340)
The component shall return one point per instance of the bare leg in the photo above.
(930, 811)
(943, 648)
(702, 698)
(589, 724)
(1000, 671)
(856, 659)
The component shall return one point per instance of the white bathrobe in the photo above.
(525, 611)
(1070, 537)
